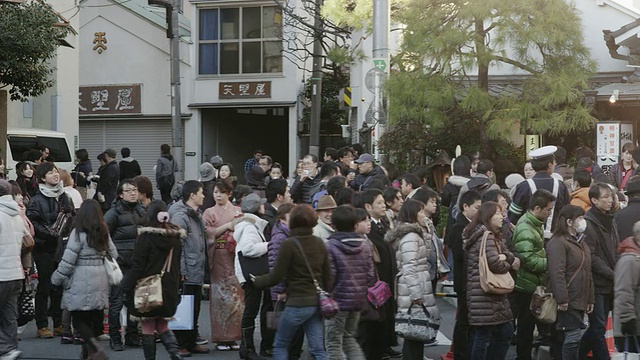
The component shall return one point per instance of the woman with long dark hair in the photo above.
(570, 281)
(26, 179)
(414, 280)
(156, 243)
(82, 274)
(489, 314)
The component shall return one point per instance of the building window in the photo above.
(245, 40)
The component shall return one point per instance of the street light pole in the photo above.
(316, 83)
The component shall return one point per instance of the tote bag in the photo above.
(492, 283)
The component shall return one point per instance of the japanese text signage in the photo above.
(244, 90)
(110, 99)
(608, 139)
(532, 142)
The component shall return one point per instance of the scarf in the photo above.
(52, 192)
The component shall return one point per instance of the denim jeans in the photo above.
(294, 318)
(490, 342)
(9, 292)
(593, 339)
(116, 302)
(340, 336)
(571, 344)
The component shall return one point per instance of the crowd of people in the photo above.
(340, 232)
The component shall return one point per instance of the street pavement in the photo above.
(51, 349)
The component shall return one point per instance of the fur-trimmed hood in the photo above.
(458, 180)
(162, 232)
(394, 235)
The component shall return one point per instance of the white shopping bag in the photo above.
(184, 314)
(626, 355)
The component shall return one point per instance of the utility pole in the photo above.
(381, 19)
(173, 33)
(316, 83)
(176, 108)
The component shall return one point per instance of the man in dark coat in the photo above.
(123, 220)
(367, 170)
(108, 182)
(628, 216)
(602, 237)
(129, 167)
(302, 187)
(469, 205)
(377, 337)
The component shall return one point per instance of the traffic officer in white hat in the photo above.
(543, 162)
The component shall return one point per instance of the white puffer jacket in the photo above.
(251, 242)
(12, 230)
(413, 280)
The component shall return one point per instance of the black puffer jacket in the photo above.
(152, 248)
(43, 212)
(486, 309)
(301, 192)
(602, 237)
(123, 220)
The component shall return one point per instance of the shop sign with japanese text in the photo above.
(244, 90)
(608, 139)
(110, 99)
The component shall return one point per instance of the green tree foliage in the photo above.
(450, 48)
(331, 117)
(28, 39)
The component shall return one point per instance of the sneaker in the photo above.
(223, 347)
(58, 331)
(11, 355)
(266, 353)
(116, 345)
(201, 341)
(66, 339)
(44, 333)
(77, 340)
(103, 337)
(199, 350)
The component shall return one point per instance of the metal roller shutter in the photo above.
(143, 137)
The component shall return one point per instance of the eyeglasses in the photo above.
(130, 191)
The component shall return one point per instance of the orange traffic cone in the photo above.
(608, 335)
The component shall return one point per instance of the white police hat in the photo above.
(543, 152)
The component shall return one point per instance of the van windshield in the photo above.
(58, 149)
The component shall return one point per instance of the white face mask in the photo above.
(581, 226)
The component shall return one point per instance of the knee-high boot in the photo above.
(149, 347)
(171, 344)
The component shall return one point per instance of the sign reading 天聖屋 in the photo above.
(110, 99)
(244, 90)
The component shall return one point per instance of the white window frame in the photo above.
(240, 41)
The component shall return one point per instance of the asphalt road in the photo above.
(50, 349)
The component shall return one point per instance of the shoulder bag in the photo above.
(148, 292)
(544, 306)
(492, 283)
(328, 307)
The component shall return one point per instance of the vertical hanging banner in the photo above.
(607, 144)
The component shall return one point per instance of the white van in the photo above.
(20, 140)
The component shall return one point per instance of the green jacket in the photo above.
(528, 240)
